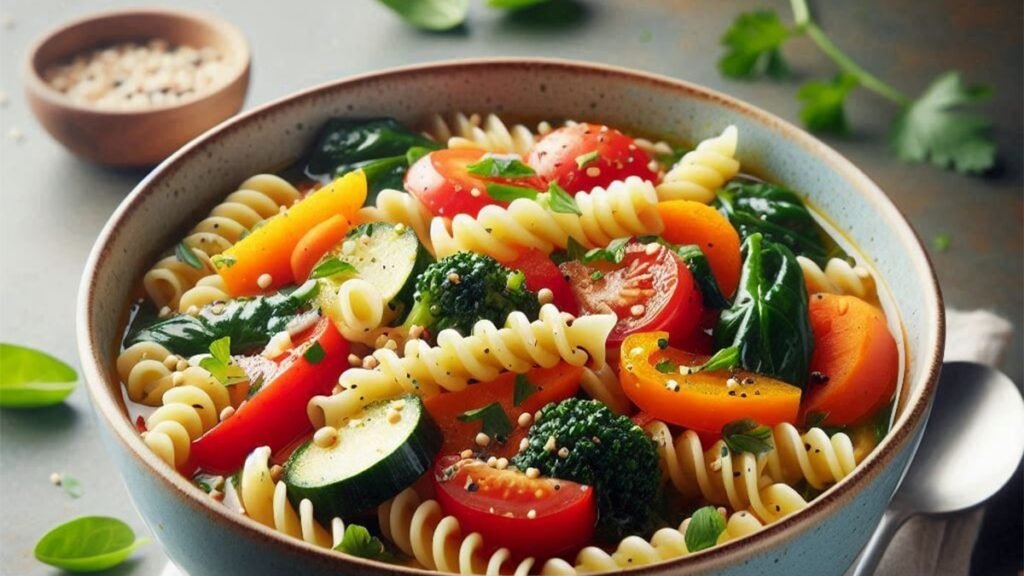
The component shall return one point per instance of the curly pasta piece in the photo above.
(490, 134)
(701, 172)
(357, 311)
(518, 347)
(838, 277)
(603, 384)
(421, 530)
(208, 290)
(632, 551)
(625, 208)
(267, 503)
(399, 207)
(812, 456)
(256, 199)
(147, 370)
(189, 409)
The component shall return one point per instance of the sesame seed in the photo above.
(325, 437)
(651, 248)
(593, 171)
(672, 385)
(264, 281)
(475, 192)
(164, 312)
(502, 463)
(171, 362)
(56, 479)
(563, 452)
(549, 446)
(525, 419)
(545, 296)
(731, 383)
(391, 344)
(637, 310)
(370, 362)
(653, 166)
(354, 360)
(532, 472)
(454, 278)
(531, 514)
(400, 228)
(482, 439)
(415, 332)
(227, 412)
(524, 444)
(399, 405)
(492, 461)
(394, 416)
(467, 453)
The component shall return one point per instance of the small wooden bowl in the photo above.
(137, 137)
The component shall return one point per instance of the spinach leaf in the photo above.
(248, 322)
(380, 147)
(697, 262)
(769, 320)
(777, 213)
(88, 544)
(33, 379)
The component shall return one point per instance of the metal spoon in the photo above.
(970, 449)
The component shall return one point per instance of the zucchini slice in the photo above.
(375, 458)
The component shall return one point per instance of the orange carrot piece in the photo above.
(855, 363)
(266, 253)
(688, 222)
(315, 243)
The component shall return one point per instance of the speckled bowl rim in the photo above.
(100, 384)
(231, 33)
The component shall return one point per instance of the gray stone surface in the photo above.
(52, 205)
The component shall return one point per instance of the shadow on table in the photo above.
(548, 16)
(50, 420)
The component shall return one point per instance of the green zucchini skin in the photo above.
(343, 497)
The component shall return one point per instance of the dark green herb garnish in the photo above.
(494, 421)
(184, 253)
(747, 435)
(523, 389)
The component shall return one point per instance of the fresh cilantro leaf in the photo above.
(596, 275)
(332, 266)
(933, 129)
(314, 354)
(705, 526)
(500, 167)
(575, 250)
(666, 366)
(584, 159)
(747, 435)
(508, 193)
(523, 390)
(493, 419)
(722, 360)
(220, 365)
(559, 201)
(752, 46)
(430, 14)
(358, 541)
(823, 103)
(941, 242)
(222, 261)
(615, 252)
(184, 253)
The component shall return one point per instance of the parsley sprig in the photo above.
(930, 128)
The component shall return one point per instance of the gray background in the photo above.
(53, 205)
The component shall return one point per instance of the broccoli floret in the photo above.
(457, 291)
(594, 446)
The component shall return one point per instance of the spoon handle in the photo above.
(873, 552)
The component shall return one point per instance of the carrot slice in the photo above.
(688, 222)
(855, 363)
(701, 401)
(315, 243)
(545, 385)
(268, 249)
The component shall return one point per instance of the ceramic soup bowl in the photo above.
(205, 537)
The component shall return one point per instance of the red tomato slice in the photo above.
(540, 273)
(548, 385)
(442, 182)
(567, 156)
(539, 517)
(651, 289)
(277, 414)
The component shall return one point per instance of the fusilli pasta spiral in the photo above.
(399, 207)
(518, 347)
(701, 172)
(626, 208)
(490, 134)
(357, 311)
(267, 502)
(421, 530)
(208, 289)
(838, 277)
(147, 370)
(603, 384)
(256, 199)
(633, 551)
(189, 410)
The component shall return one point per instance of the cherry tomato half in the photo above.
(539, 517)
(651, 289)
(567, 156)
(541, 273)
(442, 182)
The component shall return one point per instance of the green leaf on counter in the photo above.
(753, 45)
(823, 103)
(88, 544)
(437, 15)
(33, 379)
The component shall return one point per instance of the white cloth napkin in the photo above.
(942, 546)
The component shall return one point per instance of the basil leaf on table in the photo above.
(437, 15)
(248, 322)
(777, 213)
(769, 319)
(382, 147)
(88, 544)
(33, 379)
